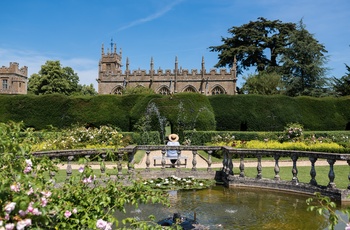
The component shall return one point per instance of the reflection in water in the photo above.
(237, 208)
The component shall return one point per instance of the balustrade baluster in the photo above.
(348, 161)
(224, 161)
(131, 161)
(295, 169)
(69, 167)
(277, 167)
(194, 160)
(52, 174)
(209, 161)
(103, 163)
(230, 163)
(259, 168)
(178, 162)
(163, 159)
(241, 165)
(313, 170)
(331, 174)
(120, 162)
(148, 161)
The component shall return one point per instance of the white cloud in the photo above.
(151, 17)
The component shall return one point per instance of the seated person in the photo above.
(173, 141)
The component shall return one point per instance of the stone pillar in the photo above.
(295, 169)
(209, 161)
(313, 170)
(331, 174)
(194, 161)
(241, 165)
(277, 167)
(69, 167)
(148, 161)
(103, 165)
(259, 168)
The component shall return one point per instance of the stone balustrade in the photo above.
(226, 173)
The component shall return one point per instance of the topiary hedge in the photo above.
(273, 113)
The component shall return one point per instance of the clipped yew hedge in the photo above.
(273, 113)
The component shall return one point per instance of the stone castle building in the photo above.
(112, 80)
(13, 80)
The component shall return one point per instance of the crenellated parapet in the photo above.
(113, 80)
(14, 69)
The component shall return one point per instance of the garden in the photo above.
(29, 198)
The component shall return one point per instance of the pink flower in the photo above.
(46, 193)
(10, 207)
(81, 169)
(30, 191)
(67, 214)
(27, 169)
(15, 187)
(10, 226)
(347, 227)
(23, 223)
(43, 201)
(103, 225)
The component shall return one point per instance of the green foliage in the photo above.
(323, 205)
(263, 83)
(78, 137)
(303, 69)
(53, 78)
(272, 113)
(250, 43)
(28, 199)
(292, 132)
(342, 86)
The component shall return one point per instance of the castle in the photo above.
(112, 80)
(13, 80)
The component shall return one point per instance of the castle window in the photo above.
(190, 89)
(118, 90)
(217, 90)
(4, 84)
(164, 91)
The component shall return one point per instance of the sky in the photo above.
(73, 31)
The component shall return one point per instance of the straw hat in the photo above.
(173, 137)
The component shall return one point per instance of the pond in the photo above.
(236, 208)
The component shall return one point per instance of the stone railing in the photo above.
(276, 183)
(226, 172)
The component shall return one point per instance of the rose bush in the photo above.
(29, 199)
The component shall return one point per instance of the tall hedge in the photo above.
(183, 111)
(273, 113)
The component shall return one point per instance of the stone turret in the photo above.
(13, 80)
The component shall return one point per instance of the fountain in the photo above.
(226, 208)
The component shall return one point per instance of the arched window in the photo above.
(217, 90)
(164, 90)
(190, 89)
(118, 90)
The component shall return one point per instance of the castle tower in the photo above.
(110, 62)
(13, 80)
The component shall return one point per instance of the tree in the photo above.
(284, 48)
(342, 86)
(53, 78)
(303, 71)
(87, 90)
(263, 83)
(252, 43)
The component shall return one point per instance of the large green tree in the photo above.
(342, 86)
(276, 47)
(53, 78)
(256, 44)
(303, 65)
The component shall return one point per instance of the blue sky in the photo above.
(72, 31)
